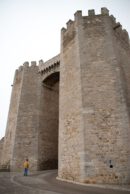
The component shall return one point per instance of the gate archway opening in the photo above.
(48, 135)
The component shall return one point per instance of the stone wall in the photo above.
(21, 139)
(94, 101)
(26, 135)
(12, 119)
(71, 142)
(105, 115)
(1, 148)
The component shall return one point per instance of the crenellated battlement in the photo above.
(88, 22)
(78, 16)
(21, 70)
(33, 64)
(44, 68)
(70, 24)
(104, 11)
(91, 12)
(49, 64)
(95, 20)
(26, 65)
(121, 34)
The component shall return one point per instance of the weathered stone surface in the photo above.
(1, 148)
(74, 110)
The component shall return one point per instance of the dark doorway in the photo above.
(48, 136)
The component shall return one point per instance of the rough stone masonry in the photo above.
(73, 111)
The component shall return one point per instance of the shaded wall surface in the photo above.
(49, 124)
(1, 148)
(9, 139)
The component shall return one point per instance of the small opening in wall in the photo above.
(110, 164)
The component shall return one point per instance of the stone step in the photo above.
(4, 168)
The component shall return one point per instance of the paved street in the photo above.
(46, 183)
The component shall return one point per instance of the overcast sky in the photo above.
(30, 30)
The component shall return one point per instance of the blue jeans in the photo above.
(26, 172)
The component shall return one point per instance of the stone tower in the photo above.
(74, 110)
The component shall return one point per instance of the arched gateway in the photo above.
(48, 139)
(73, 111)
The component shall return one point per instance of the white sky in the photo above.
(30, 30)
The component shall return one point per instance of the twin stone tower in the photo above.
(73, 111)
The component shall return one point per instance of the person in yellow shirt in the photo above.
(26, 167)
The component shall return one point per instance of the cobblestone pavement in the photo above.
(46, 183)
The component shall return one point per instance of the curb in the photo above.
(113, 187)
